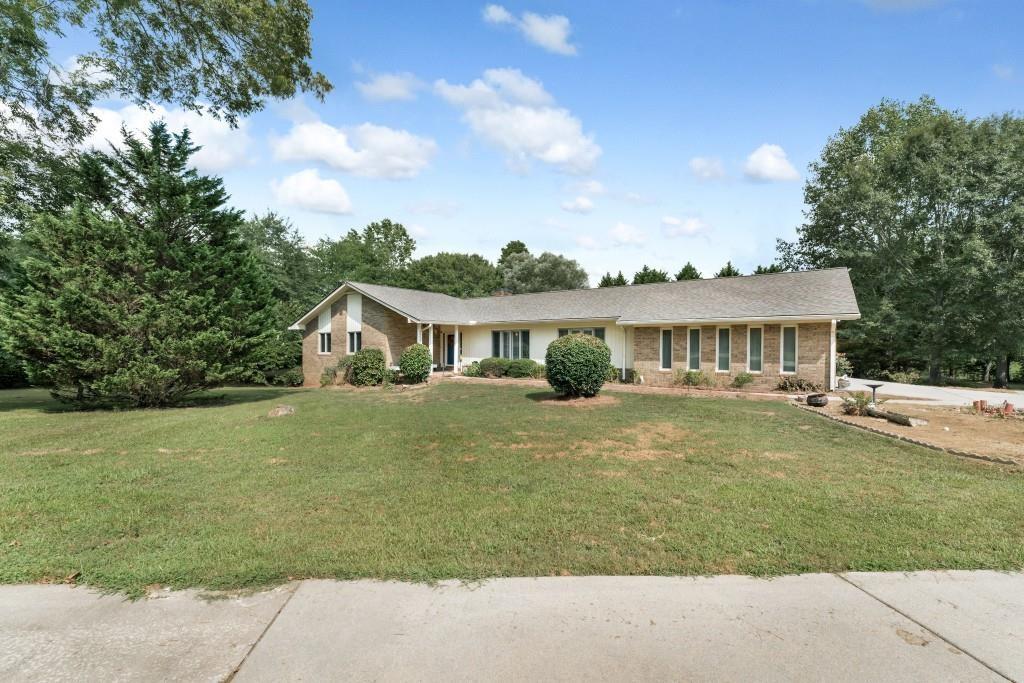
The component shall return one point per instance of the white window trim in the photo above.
(348, 341)
(718, 336)
(749, 328)
(661, 349)
(689, 332)
(324, 327)
(782, 350)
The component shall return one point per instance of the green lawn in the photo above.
(478, 480)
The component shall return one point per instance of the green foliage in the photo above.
(648, 275)
(794, 384)
(923, 205)
(693, 378)
(472, 370)
(741, 380)
(577, 364)
(522, 272)
(12, 371)
(338, 373)
(415, 363)
(772, 268)
(288, 378)
(143, 293)
(378, 254)
(902, 376)
(494, 367)
(688, 272)
(508, 251)
(857, 403)
(522, 367)
(613, 374)
(844, 368)
(460, 275)
(728, 270)
(222, 57)
(607, 280)
(368, 367)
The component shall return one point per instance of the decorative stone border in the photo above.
(907, 439)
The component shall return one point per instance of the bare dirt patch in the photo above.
(645, 441)
(954, 428)
(601, 400)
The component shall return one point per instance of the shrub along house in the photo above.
(767, 325)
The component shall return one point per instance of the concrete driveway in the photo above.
(953, 396)
(906, 627)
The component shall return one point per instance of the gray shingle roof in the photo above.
(813, 294)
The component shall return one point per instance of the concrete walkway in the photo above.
(934, 626)
(951, 396)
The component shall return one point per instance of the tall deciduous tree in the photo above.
(688, 272)
(378, 254)
(522, 272)
(461, 275)
(143, 292)
(891, 198)
(647, 275)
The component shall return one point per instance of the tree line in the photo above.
(648, 275)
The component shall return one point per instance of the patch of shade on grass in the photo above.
(473, 481)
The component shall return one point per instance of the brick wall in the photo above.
(382, 328)
(812, 354)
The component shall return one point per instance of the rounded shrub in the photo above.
(367, 367)
(522, 367)
(415, 363)
(577, 364)
(494, 367)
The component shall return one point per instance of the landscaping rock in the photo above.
(282, 410)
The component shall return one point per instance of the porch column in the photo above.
(430, 343)
(457, 362)
(624, 337)
(832, 383)
(419, 333)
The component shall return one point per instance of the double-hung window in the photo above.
(666, 349)
(324, 331)
(755, 349)
(510, 344)
(724, 349)
(355, 341)
(789, 345)
(693, 349)
(592, 331)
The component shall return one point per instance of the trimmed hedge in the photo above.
(415, 363)
(367, 367)
(577, 364)
(523, 367)
(494, 367)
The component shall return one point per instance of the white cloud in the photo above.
(587, 242)
(768, 163)
(707, 168)
(591, 187)
(624, 234)
(637, 198)
(223, 147)
(307, 190)
(365, 150)
(516, 114)
(496, 14)
(682, 227)
(580, 204)
(1003, 72)
(549, 32)
(390, 87)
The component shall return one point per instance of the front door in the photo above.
(451, 350)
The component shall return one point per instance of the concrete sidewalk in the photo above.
(885, 626)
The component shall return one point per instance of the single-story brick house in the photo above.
(767, 325)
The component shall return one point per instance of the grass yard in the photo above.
(478, 480)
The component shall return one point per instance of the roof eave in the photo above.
(817, 317)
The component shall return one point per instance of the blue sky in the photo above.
(618, 134)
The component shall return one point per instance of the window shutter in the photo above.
(525, 340)
(562, 331)
(495, 344)
(599, 333)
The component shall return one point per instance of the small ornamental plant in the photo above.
(414, 363)
(577, 364)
